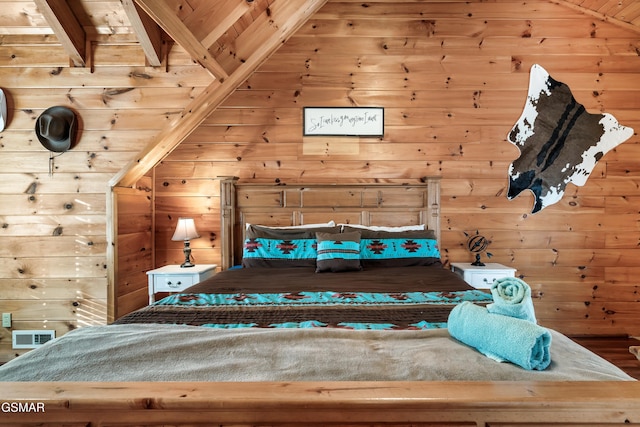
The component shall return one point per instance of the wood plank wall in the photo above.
(53, 265)
(452, 77)
(134, 254)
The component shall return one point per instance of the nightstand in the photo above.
(173, 278)
(482, 277)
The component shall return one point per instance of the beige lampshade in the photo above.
(185, 230)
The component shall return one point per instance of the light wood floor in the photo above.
(615, 350)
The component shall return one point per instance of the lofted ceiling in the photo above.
(215, 33)
(230, 38)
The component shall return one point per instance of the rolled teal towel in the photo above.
(512, 297)
(502, 338)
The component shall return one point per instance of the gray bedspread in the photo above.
(145, 352)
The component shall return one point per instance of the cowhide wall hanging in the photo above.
(559, 141)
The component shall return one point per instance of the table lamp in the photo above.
(186, 230)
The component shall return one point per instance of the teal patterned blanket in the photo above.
(323, 309)
(326, 297)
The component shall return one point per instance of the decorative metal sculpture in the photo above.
(478, 244)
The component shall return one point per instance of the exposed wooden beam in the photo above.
(148, 32)
(217, 17)
(282, 25)
(171, 23)
(66, 27)
(250, 41)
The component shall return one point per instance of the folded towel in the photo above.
(501, 337)
(512, 297)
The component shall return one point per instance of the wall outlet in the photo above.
(6, 320)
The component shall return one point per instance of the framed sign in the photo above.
(343, 121)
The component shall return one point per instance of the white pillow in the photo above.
(385, 228)
(303, 226)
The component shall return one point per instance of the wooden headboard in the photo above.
(298, 204)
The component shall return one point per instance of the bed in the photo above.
(343, 340)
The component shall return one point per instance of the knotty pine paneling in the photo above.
(110, 77)
(53, 238)
(404, 11)
(467, 63)
(134, 252)
(452, 77)
(202, 204)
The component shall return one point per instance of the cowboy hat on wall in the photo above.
(56, 129)
(3, 110)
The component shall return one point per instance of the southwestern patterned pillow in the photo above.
(338, 252)
(282, 247)
(398, 249)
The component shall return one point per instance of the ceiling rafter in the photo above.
(286, 17)
(178, 31)
(250, 40)
(67, 29)
(599, 15)
(209, 23)
(149, 33)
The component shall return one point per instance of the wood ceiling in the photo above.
(230, 38)
(625, 13)
(217, 34)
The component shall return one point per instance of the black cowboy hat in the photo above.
(56, 128)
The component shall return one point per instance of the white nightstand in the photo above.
(173, 278)
(482, 277)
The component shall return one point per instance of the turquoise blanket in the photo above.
(499, 337)
(308, 309)
(324, 298)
